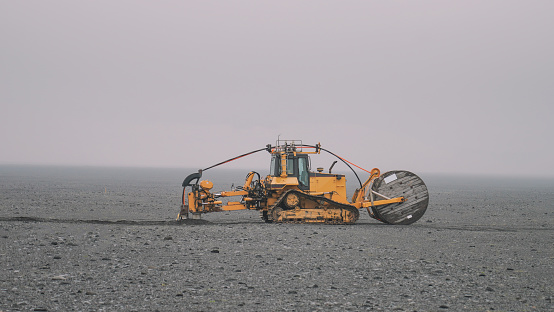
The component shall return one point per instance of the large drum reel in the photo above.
(395, 184)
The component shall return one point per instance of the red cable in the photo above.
(343, 160)
(354, 165)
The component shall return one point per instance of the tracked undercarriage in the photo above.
(291, 207)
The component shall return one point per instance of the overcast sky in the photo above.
(426, 86)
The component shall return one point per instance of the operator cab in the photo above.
(296, 166)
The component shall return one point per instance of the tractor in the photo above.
(293, 193)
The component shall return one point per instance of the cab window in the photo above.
(272, 167)
(303, 176)
(275, 169)
(290, 166)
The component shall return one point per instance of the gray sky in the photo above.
(427, 86)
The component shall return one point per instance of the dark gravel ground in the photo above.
(105, 239)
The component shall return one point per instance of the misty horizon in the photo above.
(460, 87)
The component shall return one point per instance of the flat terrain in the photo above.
(99, 239)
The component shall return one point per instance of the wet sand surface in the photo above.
(106, 240)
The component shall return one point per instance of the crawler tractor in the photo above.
(294, 194)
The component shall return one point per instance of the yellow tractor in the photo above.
(292, 193)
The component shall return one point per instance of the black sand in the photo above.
(105, 240)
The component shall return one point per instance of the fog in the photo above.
(426, 86)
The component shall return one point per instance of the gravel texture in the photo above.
(105, 240)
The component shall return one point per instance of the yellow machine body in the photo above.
(290, 193)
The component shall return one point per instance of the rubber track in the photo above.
(333, 205)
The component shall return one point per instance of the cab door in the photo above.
(302, 172)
